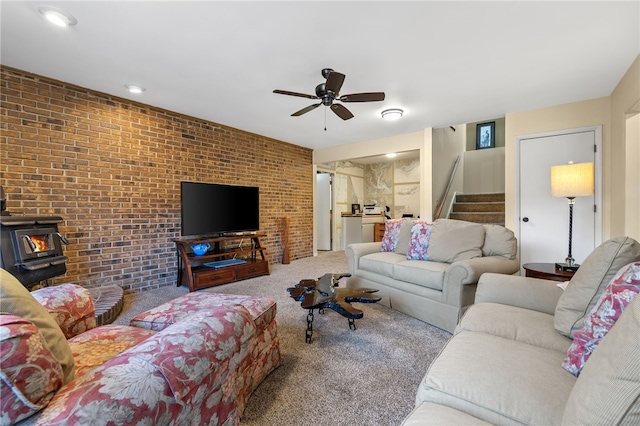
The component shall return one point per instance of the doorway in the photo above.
(543, 219)
(324, 210)
(632, 172)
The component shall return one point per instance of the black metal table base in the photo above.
(309, 332)
(323, 293)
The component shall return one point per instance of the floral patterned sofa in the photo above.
(194, 360)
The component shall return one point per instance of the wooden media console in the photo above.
(192, 269)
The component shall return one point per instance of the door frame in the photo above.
(597, 196)
(331, 209)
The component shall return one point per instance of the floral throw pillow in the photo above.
(419, 242)
(30, 374)
(622, 289)
(391, 233)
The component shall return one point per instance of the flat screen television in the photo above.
(215, 209)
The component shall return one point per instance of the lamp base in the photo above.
(565, 267)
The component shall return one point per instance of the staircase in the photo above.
(479, 208)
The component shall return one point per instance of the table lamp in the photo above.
(571, 181)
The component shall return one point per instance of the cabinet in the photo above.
(246, 250)
(378, 231)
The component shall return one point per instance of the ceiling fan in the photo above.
(329, 91)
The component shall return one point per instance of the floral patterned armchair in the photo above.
(194, 360)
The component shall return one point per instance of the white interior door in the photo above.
(323, 209)
(544, 220)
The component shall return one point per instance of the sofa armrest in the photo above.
(469, 271)
(355, 251)
(70, 305)
(524, 292)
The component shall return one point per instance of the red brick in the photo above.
(112, 168)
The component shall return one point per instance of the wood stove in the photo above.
(31, 248)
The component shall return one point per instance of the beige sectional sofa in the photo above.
(440, 289)
(504, 364)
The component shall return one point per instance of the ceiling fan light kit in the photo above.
(57, 16)
(392, 114)
(134, 88)
(329, 92)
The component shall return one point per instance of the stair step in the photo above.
(479, 217)
(480, 198)
(497, 207)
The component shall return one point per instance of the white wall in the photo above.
(611, 113)
(547, 120)
(617, 179)
(632, 177)
(348, 188)
(484, 171)
(447, 145)
(407, 142)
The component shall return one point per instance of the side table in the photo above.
(546, 271)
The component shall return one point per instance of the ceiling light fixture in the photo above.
(391, 155)
(57, 16)
(392, 114)
(133, 88)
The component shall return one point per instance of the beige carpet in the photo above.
(367, 376)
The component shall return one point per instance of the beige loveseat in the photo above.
(504, 364)
(440, 289)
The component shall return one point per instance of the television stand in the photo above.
(244, 261)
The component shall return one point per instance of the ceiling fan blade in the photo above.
(301, 95)
(363, 97)
(341, 111)
(306, 110)
(334, 82)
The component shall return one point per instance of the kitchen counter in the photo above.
(359, 228)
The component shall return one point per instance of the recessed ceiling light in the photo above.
(391, 155)
(57, 16)
(134, 88)
(392, 114)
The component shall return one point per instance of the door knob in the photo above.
(525, 219)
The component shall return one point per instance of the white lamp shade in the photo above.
(572, 180)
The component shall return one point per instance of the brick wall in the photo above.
(112, 169)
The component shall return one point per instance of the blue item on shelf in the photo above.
(200, 248)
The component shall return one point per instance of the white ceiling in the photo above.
(444, 63)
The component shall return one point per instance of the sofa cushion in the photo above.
(99, 345)
(499, 241)
(453, 240)
(424, 274)
(404, 236)
(614, 371)
(430, 414)
(498, 380)
(419, 241)
(15, 299)
(262, 309)
(587, 284)
(511, 322)
(391, 232)
(31, 374)
(624, 287)
(381, 263)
